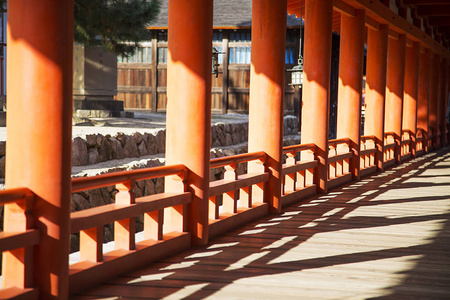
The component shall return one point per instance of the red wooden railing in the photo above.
(234, 200)
(339, 155)
(431, 137)
(420, 141)
(367, 155)
(96, 266)
(17, 241)
(406, 145)
(389, 149)
(237, 198)
(298, 173)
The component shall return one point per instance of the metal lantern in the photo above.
(297, 73)
(215, 62)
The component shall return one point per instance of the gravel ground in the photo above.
(142, 122)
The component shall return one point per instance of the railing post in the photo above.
(423, 93)
(125, 230)
(395, 79)
(266, 107)
(39, 124)
(188, 129)
(351, 60)
(316, 83)
(410, 96)
(175, 218)
(229, 202)
(17, 268)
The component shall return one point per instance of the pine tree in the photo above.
(117, 25)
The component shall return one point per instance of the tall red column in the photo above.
(434, 85)
(351, 61)
(266, 107)
(188, 129)
(411, 92)
(377, 42)
(316, 83)
(39, 127)
(447, 99)
(423, 94)
(394, 90)
(442, 100)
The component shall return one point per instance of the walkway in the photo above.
(385, 237)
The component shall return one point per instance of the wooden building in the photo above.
(142, 78)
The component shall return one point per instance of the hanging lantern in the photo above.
(215, 62)
(297, 73)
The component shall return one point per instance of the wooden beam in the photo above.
(424, 2)
(434, 10)
(371, 23)
(383, 15)
(439, 20)
(344, 8)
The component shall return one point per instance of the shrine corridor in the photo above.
(384, 237)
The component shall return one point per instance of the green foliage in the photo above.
(117, 25)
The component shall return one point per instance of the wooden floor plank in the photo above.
(385, 237)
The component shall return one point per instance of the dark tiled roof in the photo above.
(227, 13)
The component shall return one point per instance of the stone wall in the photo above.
(96, 148)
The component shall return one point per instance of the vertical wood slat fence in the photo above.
(234, 200)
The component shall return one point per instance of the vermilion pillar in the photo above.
(423, 94)
(316, 83)
(447, 91)
(188, 131)
(442, 99)
(267, 90)
(394, 90)
(411, 92)
(39, 127)
(377, 41)
(434, 85)
(351, 60)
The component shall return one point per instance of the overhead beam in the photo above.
(424, 2)
(439, 20)
(344, 8)
(383, 15)
(434, 10)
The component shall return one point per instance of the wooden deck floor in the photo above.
(385, 237)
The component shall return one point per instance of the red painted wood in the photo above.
(39, 72)
(377, 42)
(188, 129)
(410, 97)
(394, 89)
(351, 61)
(267, 85)
(316, 83)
